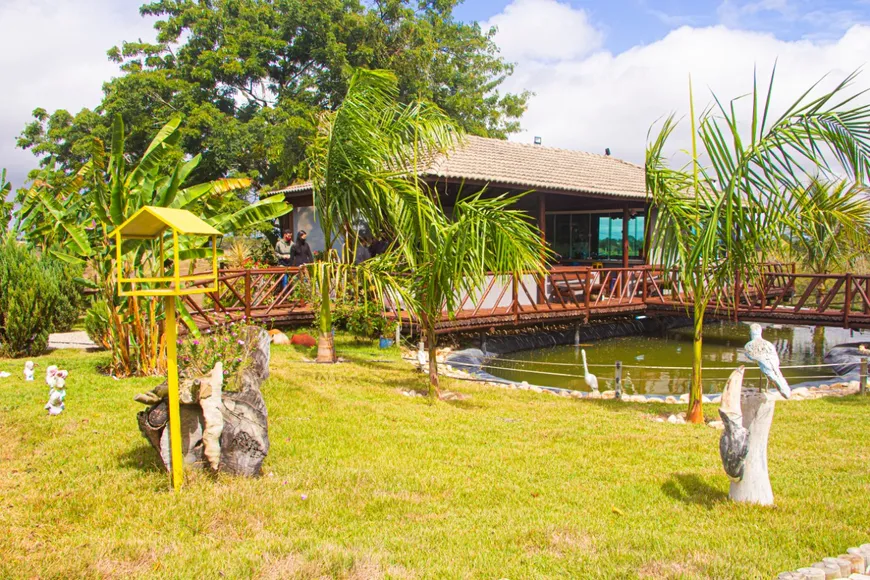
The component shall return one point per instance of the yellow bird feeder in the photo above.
(151, 223)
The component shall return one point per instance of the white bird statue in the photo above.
(764, 353)
(28, 370)
(591, 380)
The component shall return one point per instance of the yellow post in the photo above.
(177, 470)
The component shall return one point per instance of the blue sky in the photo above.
(602, 71)
(627, 23)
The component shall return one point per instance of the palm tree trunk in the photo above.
(695, 413)
(431, 345)
(325, 344)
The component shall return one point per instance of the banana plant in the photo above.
(71, 219)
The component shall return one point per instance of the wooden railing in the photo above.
(777, 293)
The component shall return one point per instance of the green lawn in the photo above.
(364, 482)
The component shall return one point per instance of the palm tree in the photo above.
(828, 225)
(725, 209)
(448, 256)
(71, 218)
(362, 151)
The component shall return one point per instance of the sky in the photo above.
(602, 71)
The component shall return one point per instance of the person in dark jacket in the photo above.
(301, 254)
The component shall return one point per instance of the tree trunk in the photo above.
(325, 342)
(433, 361)
(695, 413)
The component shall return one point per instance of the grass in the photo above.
(506, 484)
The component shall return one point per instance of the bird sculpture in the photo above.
(764, 353)
(28, 370)
(734, 443)
(50, 377)
(591, 380)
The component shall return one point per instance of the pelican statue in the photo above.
(591, 380)
(734, 443)
(764, 353)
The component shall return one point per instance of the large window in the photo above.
(593, 236)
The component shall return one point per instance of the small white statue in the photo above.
(56, 398)
(28, 370)
(50, 376)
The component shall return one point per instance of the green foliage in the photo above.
(97, 323)
(363, 319)
(231, 344)
(36, 298)
(249, 77)
(5, 206)
(77, 213)
(828, 225)
(727, 210)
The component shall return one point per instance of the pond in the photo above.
(661, 364)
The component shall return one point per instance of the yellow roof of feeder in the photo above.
(149, 222)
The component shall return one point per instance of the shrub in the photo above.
(97, 323)
(232, 344)
(37, 297)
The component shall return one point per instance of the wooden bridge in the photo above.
(778, 294)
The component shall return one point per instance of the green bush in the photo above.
(37, 297)
(97, 323)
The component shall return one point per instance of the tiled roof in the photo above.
(499, 162)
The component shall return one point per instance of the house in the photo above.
(591, 208)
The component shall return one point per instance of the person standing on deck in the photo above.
(284, 254)
(301, 254)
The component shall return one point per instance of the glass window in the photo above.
(596, 236)
(580, 236)
(562, 235)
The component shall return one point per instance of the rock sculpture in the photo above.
(28, 370)
(226, 430)
(747, 417)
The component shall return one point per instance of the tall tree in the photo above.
(250, 75)
(724, 211)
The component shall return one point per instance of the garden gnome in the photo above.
(50, 376)
(56, 399)
(28, 370)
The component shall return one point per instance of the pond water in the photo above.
(641, 355)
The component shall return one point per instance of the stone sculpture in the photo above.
(764, 353)
(747, 417)
(227, 430)
(28, 370)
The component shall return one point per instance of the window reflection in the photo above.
(595, 236)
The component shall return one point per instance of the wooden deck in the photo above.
(274, 297)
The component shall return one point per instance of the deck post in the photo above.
(515, 297)
(617, 381)
(847, 304)
(542, 225)
(586, 291)
(247, 295)
(644, 274)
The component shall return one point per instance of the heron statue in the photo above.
(591, 380)
(764, 353)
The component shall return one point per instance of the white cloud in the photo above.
(610, 100)
(544, 30)
(53, 55)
